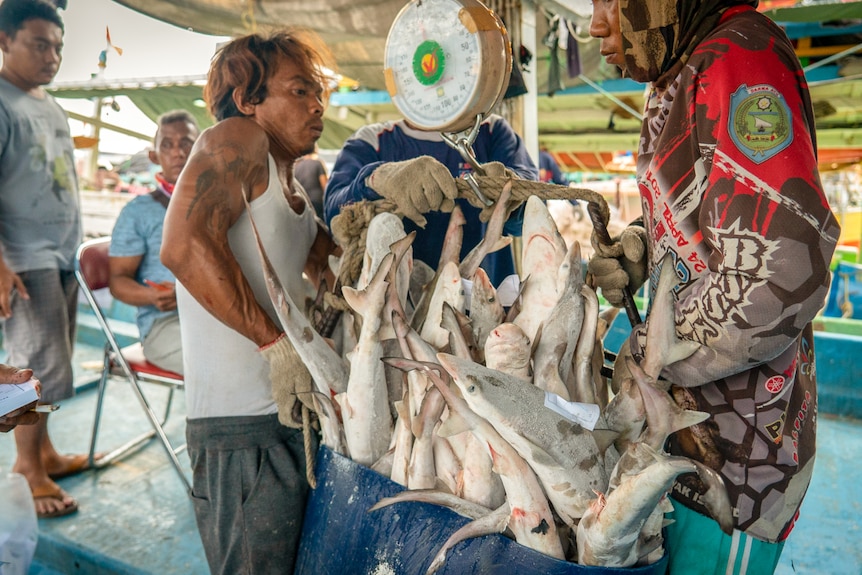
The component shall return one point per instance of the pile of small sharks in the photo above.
(503, 414)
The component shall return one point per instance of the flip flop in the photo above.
(78, 464)
(56, 495)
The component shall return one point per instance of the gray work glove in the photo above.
(415, 186)
(290, 380)
(623, 263)
(497, 170)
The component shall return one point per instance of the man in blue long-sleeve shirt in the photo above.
(421, 185)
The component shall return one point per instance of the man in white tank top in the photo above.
(249, 514)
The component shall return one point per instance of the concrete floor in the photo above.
(135, 517)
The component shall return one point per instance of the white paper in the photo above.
(467, 286)
(584, 414)
(16, 395)
(508, 290)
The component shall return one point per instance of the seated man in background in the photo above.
(138, 276)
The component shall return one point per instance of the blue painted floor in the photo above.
(135, 518)
(827, 540)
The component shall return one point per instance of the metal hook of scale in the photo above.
(464, 146)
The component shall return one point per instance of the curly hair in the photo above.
(14, 13)
(247, 63)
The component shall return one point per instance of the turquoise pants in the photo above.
(697, 546)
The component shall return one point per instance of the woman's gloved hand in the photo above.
(290, 380)
(623, 263)
(416, 186)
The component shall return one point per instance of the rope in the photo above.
(349, 228)
(306, 443)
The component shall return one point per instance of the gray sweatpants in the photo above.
(249, 492)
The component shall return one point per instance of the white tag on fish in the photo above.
(467, 286)
(584, 414)
(508, 290)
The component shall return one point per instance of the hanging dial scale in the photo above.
(446, 65)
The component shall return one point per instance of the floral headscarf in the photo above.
(660, 35)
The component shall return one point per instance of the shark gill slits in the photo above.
(542, 527)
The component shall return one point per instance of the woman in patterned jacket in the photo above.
(727, 174)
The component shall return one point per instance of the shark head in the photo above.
(490, 393)
(543, 244)
(508, 349)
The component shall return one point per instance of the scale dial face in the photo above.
(446, 62)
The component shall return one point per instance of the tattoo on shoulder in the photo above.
(228, 166)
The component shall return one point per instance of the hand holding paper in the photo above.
(17, 400)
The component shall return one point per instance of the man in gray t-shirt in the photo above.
(40, 229)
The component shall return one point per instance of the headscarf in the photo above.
(660, 35)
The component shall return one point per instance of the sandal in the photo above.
(56, 495)
(77, 464)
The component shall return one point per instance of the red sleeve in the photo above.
(767, 228)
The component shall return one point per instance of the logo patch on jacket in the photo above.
(774, 384)
(760, 122)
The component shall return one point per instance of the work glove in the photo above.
(496, 170)
(290, 380)
(415, 186)
(623, 263)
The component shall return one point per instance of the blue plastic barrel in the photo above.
(340, 536)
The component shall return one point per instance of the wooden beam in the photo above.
(114, 128)
(581, 164)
